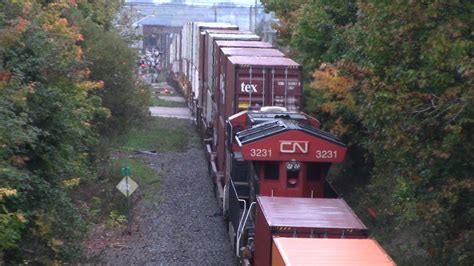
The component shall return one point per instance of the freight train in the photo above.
(268, 159)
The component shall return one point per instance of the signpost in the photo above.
(127, 186)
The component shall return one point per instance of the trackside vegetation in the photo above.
(394, 79)
(66, 83)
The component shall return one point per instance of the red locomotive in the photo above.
(269, 161)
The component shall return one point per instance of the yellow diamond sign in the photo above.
(127, 186)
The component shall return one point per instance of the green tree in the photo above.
(395, 80)
(112, 61)
(51, 108)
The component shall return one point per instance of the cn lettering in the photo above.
(289, 146)
(250, 88)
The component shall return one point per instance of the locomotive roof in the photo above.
(263, 61)
(309, 213)
(261, 52)
(305, 251)
(276, 126)
(255, 44)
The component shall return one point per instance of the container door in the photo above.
(249, 89)
(285, 89)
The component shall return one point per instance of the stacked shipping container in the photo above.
(211, 65)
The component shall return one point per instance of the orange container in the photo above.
(326, 251)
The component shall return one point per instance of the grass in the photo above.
(157, 134)
(147, 179)
(99, 199)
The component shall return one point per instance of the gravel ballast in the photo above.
(182, 224)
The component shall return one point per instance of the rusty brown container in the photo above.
(219, 121)
(218, 66)
(207, 91)
(225, 52)
(253, 81)
(302, 217)
(204, 53)
(235, 44)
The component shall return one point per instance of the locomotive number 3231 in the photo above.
(326, 154)
(260, 152)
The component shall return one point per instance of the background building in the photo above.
(157, 21)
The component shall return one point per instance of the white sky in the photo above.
(238, 2)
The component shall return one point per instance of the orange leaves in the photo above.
(328, 107)
(440, 154)
(19, 25)
(5, 76)
(19, 161)
(78, 53)
(54, 23)
(336, 90)
(335, 87)
(101, 84)
(27, 6)
(79, 37)
(91, 85)
(62, 22)
(328, 79)
(7, 192)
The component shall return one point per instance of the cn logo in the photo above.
(293, 146)
(249, 88)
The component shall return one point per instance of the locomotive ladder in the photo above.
(237, 210)
(241, 228)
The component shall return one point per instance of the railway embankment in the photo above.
(176, 219)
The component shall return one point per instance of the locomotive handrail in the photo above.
(241, 218)
(223, 198)
(241, 229)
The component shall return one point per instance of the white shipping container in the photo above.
(178, 47)
(186, 34)
(197, 30)
(195, 83)
(172, 50)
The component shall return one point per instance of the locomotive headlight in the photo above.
(289, 166)
(296, 166)
(293, 166)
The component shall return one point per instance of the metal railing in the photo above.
(241, 228)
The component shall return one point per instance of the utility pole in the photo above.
(250, 19)
(255, 16)
(215, 13)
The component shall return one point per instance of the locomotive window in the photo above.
(272, 171)
(313, 172)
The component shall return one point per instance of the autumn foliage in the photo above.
(51, 108)
(395, 80)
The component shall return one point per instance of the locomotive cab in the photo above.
(289, 156)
